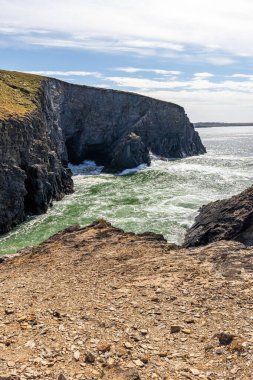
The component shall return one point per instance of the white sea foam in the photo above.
(133, 170)
(163, 198)
(87, 167)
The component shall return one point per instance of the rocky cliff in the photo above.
(45, 123)
(98, 303)
(228, 219)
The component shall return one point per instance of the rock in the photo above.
(76, 355)
(30, 344)
(89, 358)
(62, 377)
(104, 347)
(225, 339)
(195, 371)
(229, 219)
(128, 345)
(138, 363)
(9, 311)
(186, 331)
(129, 152)
(70, 123)
(175, 329)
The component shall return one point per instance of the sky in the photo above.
(196, 53)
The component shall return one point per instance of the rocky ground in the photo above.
(98, 303)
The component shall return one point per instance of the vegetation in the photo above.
(18, 94)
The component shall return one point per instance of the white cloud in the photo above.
(203, 98)
(196, 83)
(204, 105)
(203, 75)
(66, 73)
(220, 61)
(141, 27)
(244, 76)
(155, 71)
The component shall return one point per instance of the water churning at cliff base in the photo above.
(163, 198)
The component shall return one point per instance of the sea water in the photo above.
(162, 198)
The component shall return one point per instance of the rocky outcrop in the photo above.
(129, 152)
(229, 219)
(46, 123)
(98, 303)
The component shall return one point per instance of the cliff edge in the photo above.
(46, 123)
(98, 303)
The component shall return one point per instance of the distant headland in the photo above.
(216, 124)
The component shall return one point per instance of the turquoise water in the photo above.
(163, 198)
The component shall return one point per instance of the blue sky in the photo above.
(195, 53)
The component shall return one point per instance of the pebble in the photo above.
(195, 371)
(128, 345)
(138, 363)
(175, 329)
(76, 355)
(89, 358)
(104, 347)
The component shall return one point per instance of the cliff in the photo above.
(46, 123)
(98, 303)
(229, 219)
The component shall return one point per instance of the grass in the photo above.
(18, 94)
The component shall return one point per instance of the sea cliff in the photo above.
(46, 123)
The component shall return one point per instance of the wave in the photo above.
(133, 170)
(87, 167)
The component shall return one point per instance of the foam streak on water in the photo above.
(163, 198)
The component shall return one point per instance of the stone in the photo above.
(143, 332)
(9, 311)
(138, 363)
(104, 347)
(225, 339)
(76, 355)
(30, 344)
(195, 371)
(62, 377)
(186, 331)
(175, 329)
(128, 345)
(89, 358)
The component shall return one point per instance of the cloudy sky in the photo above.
(198, 53)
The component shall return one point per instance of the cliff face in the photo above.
(228, 219)
(33, 169)
(45, 123)
(95, 120)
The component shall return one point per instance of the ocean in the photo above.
(163, 198)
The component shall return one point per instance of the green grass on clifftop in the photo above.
(18, 94)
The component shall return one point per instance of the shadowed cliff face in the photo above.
(95, 120)
(62, 122)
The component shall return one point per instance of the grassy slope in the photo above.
(18, 94)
